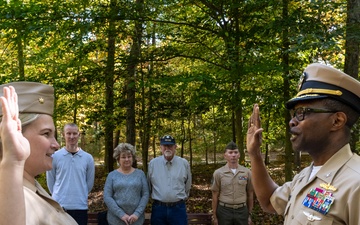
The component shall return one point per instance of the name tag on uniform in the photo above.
(319, 200)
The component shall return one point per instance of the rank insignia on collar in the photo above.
(328, 187)
(311, 217)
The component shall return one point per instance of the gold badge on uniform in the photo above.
(328, 187)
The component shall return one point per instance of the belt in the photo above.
(168, 204)
(235, 206)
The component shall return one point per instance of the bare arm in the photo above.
(264, 186)
(15, 150)
(250, 200)
(214, 203)
(250, 203)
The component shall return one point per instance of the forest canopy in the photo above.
(132, 71)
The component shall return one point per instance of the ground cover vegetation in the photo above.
(132, 71)
(200, 199)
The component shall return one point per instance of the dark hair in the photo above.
(231, 146)
(351, 114)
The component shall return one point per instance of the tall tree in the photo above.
(286, 87)
(352, 51)
(109, 87)
(131, 70)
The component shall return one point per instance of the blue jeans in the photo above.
(169, 215)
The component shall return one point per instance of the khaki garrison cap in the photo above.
(33, 97)
(322, 81)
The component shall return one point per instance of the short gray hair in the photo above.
(124, 148)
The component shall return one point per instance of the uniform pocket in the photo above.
(242, 182)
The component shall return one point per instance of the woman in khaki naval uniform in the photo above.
(323, 113)
(28, 140)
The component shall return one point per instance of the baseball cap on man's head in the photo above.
(33, 97)
(167, 140)
(321, 81)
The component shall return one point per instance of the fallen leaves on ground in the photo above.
(200, 194)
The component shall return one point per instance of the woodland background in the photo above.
(132, 71)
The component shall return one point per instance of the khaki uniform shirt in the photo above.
(41, 209)
(232, 187)
(341, 171)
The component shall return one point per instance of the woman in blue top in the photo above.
(126, 191)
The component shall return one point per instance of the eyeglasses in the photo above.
(299, 113)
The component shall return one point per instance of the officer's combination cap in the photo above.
(167, 140)
(321, 81)
(33, 97)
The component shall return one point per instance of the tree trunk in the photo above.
(352, 45)
(20, 51)
(132, 64)
(286, 93)
(145, 122)
(214, 137)
(116, 138)
(190, 142)
(239, 133)
(109, 91)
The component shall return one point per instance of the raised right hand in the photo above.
(15, 147)
(254, 133)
